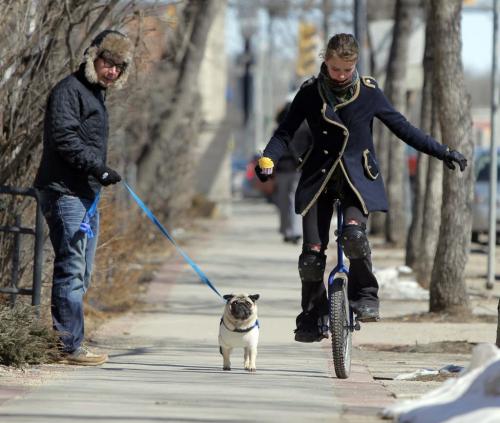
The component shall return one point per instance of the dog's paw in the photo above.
(251, 369)
(226, 368)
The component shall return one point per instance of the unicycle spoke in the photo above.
(340, 327)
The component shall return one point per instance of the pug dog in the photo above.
(239, 327)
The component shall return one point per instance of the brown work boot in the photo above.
(83, 357)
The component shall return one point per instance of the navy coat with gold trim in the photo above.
(343, 137)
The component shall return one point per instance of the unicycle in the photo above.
(341, 316)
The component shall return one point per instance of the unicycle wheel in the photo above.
(340, 327)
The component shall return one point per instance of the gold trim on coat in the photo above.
(354, 97)
(369, 81)
(368, 168)
(302, 161)
(330, 173)
(354, 189)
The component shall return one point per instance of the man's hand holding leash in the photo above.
(107, 176)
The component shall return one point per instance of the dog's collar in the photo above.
(255, 325)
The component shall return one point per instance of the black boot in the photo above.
(314, 301)
(363, 290)
(312, 323)
(367, 313)
(308, 329)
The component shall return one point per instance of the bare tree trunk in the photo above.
(378, 219)
(498, 325)
(415, 230)
(433, 191)
(448, 291)
(176, 115)
(431, 210)
(396, 93)
(417, 222)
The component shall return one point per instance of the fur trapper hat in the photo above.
(113, 45)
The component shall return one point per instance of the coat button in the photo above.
(345, 132)
(323, 170)
(325, 132)
(325, 151)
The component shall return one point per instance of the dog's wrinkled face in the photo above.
(241, 306)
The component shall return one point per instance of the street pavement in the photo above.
(165, 365)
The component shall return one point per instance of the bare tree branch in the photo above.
(97, 23)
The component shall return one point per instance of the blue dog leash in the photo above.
(153, 218)
(89, 214)
(86, 228)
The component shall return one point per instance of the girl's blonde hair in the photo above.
(344, 46)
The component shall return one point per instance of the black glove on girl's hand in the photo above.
(453, 156)
(107, 176)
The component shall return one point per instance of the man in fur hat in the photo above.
(72, 171)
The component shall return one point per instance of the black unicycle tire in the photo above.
(341, 333)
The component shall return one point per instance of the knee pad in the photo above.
(312, 266)
(354, 241)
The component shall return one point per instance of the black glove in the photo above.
(453, 156)
(260, 175)
(107, 176)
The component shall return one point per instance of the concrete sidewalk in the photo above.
(164, 360)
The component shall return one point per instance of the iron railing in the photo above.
(18, 230)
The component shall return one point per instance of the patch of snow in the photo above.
(474, 396)
(405, 270)
(393, 287)
(449, 368)
(417, 373)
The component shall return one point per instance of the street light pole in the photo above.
(493, 155)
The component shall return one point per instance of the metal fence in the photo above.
(17, 230)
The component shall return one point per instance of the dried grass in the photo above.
(25, 339)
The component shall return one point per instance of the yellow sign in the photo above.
(307, 49)
(171, 15)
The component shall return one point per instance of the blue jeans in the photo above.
(74, 258)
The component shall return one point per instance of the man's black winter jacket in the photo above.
(343, 139)
(75, 138)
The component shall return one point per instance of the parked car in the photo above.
(480, 206)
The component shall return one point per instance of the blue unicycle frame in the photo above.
(341, 316)
(340, 267)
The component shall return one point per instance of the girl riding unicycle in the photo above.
(339, 106)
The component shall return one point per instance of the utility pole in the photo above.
(270, 100)
(252, 80)
(493, 154)
(275, 9)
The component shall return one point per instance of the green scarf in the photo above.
(332, 91)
